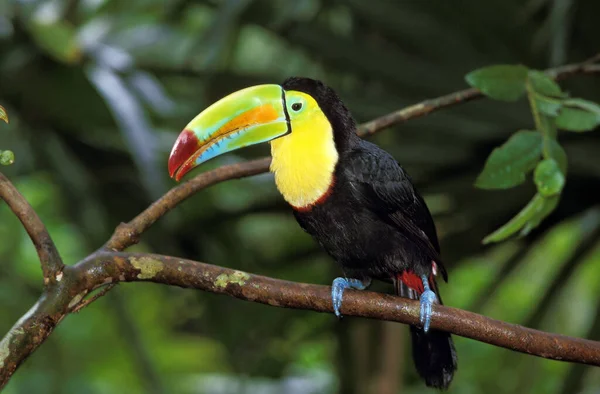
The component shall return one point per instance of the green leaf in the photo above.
(543, 84)
(501, 82)
(578, 115)
(3, 114)
(547, 105)
(527, 219)
(589, 106)
(548, 178)
(7, 157)
(573, 119)
(58, 39)
(508, 164)
(557, 153)
(547, 207)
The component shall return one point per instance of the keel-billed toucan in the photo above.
(349, 194)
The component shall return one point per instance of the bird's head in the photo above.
(300, 111)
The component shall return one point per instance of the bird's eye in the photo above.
(297, 106)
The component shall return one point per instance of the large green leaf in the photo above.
(501, 82)
(58, 39)
(508, 164)
(527, 219)
(548, 178)
(3, 114)
(543, 84)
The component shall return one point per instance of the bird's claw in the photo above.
(337, 291)
(427, 299)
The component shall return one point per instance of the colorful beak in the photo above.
(247, 117)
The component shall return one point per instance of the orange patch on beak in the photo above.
(259, 115)
(188, 148)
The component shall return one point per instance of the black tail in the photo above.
(434, 356)
(433, 352)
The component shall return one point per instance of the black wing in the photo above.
(388, 190)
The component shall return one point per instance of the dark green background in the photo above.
(98, 90)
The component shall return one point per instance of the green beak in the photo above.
(247, 117)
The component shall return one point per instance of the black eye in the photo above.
(297, 106)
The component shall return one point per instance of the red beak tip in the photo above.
(173, 166)
(185, 146)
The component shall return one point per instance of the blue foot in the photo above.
(428, 298)
(337, 290)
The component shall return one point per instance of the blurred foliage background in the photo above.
(98, 90)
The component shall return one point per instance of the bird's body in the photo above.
(359, 221)
(376, 226)
(352, 197)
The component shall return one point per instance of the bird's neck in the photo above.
(304, 163)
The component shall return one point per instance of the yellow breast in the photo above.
(304, 160)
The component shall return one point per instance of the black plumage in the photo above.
(376, 225)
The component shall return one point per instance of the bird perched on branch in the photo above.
(353, 197)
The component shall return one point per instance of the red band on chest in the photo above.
(319, 201)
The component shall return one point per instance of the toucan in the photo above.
(350, 195)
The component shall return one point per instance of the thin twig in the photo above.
(50, 259)
(592, 60)
(418, 110)
(86, 301)
(428, 106)
(128, 234)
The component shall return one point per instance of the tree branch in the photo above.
(133, 267)
(50, 259)
(112, 267)
(127, 234)
(64, 293)
(462, 96)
